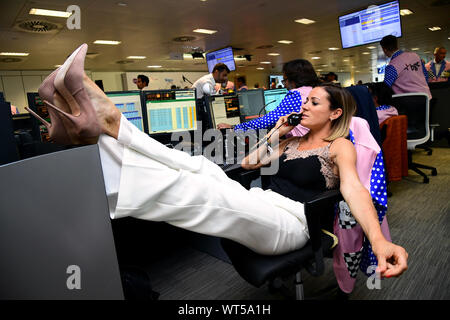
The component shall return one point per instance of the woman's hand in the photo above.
(392, 259)
(224, 126)
(283, 125)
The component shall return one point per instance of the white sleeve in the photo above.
(208, 89)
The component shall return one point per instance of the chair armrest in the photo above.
(319, 213)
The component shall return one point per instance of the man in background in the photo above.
(438, 69)
(405, 72)
(205, 85)
(142, 81)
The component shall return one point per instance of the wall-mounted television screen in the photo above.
(221, 56)
(370, 25)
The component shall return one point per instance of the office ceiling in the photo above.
(149, 28)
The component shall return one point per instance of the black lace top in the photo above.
(304, 174)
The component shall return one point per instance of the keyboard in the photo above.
(226, 167)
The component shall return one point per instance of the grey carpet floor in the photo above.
(419, 219)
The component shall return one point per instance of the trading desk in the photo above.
(440, 108)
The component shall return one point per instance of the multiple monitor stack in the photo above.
(160, 113)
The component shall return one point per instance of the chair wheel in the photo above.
(426, 180)
(434, 172)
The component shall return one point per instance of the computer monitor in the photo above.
(130, 104)
(277, 79)
(223, 108)
(221, 56)
(273, 97)
(170, 111)
(251, 104)
(370, 25)
(29, 123)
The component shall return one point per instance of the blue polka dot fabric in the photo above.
(378, 191)
(292, 102)
(390, 75)
(383, 107)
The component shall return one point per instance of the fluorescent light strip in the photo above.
(304, 21)
(366, 52)
(333, 49)
(259, 68)
(434, 28)
(371, 47)
(206, 31)
(415, 49)
(285, 41)
(154, 66)
(50, 13)
(274, 54)
(110, 42)
(137, 57)
(405, 12)
(265, 62)
(315, 58)
(17, 54)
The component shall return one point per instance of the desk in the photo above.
(440, 111)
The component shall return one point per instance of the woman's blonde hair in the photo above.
(340, 98)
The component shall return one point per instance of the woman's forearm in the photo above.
(362, 208)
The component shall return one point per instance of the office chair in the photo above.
(394, 145)
(320, 211)
(416, 106)
(259, 269)
(9, 152)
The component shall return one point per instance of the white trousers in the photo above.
(146, 180)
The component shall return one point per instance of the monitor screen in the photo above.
(275, 81)
(35, 103)
(251, 104)
(370, 25)
(272, 98)
(221, 56)
(171, 111)
(224, 109)
(129, 103)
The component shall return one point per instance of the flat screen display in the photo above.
(221, 56)
(171, 111)
(370, 25)
(129, 103)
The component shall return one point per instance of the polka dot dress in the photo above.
(292, 102)
(378, 191)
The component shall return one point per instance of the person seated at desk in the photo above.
(405, 72)
(382, 98)
(299, 78)
(438, 68)
(241, 84)
(146, 180)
